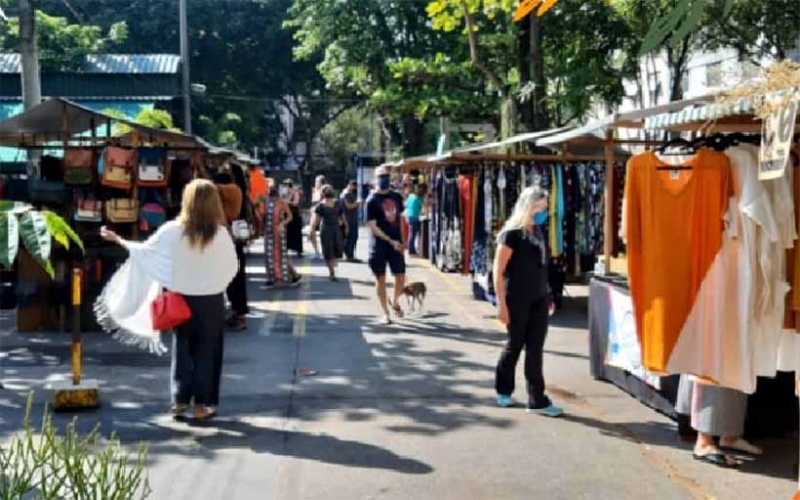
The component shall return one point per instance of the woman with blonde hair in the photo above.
(193, 256)
(523, 300)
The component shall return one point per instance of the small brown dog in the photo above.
(415, 293)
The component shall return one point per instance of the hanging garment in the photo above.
(552, 220)
(487, 200)
(716, 341)
(479, 263)
(675, 231)
(560, 209)
(450, 259)
(466, 185)
(435, 216)
(501, 187)
(275, 248)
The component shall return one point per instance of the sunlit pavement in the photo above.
(320, 401)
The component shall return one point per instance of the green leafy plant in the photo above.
(36, 229)
(43, 464)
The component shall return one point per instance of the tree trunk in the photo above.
(524, 68)
(508, 117)
(413, 136)
(540, 121)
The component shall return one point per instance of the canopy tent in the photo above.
(61, 120)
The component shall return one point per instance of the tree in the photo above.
(548, 67)
(350, 133)
(63, 45)
(373, 50)
(757, 29)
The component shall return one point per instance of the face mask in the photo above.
(540, 218)
(384, 182)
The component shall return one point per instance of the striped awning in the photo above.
(699, 114)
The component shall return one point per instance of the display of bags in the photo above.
(78, 166)
(117, 168)
(152, 168)
(152, 216)
(47, 192)
(88, 210)
(122, 211)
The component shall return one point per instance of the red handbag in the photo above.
(169, 311)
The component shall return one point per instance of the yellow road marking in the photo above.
(301, 313)
(453, 285)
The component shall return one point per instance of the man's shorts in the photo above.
(382, 255)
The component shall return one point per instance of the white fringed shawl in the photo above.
(165, 260)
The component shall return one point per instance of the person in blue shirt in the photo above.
(413, 213)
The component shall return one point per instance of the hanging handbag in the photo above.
(78, 166)
(117, 168)
(152, 168)
(88, 210)
(152, 215)
(122, 211)
(47, 192)
(169, 311)
(240, 230)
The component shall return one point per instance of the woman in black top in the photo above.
(520, 280)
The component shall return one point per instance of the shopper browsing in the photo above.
(170, 259)
(384, 208)
(524, 305)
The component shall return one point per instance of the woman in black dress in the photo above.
(294, 230)
(330, 221)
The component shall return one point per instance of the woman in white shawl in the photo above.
(195, 257)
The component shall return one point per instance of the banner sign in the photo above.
(624, 351)
(776, 140)
(526, 7)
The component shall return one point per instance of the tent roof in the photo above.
(53, 118)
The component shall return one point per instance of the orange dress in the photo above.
(675, 225)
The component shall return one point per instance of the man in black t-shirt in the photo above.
(386, 245)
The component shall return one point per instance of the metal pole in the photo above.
(77, 345)
(185, 61)
(31, 87)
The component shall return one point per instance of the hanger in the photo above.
(682, 147)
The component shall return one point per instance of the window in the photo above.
(714, 75)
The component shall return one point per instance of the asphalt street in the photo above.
(320, 401)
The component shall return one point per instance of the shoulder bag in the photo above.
(118, 164)
(78, 166)
(169, 311)
(122, 211)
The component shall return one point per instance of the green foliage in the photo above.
(153, 118)
(62, 44)
(350, 133)
(61, 231)
(757, 29)
(44, 464)
(221, 132)
(36, 239)
(18, 221)
(9, 239)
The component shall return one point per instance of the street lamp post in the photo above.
(186, 84)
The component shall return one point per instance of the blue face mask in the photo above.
(384, 182)
(539, 218)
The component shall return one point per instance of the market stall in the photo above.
(92, 169)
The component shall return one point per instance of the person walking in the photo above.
(193, 256)
(316, 198)
(351, 205)
(523, 295)
(277, 217)
(232, 188)
(384, 209)
(413, 213)
(259, 187)
(294, 230)
(329, 219)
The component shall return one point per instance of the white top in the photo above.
(177, 266)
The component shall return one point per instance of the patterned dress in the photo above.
(275, 248)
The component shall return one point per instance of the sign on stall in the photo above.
(776, 139)
(624, 350)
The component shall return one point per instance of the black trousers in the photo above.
(197, 349)
(527, 328)
(237, 290)
(351, 239)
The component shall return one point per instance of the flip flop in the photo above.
(742, 446)
(398, 311)
(718, 459)
(179, 409)
(205, 418)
